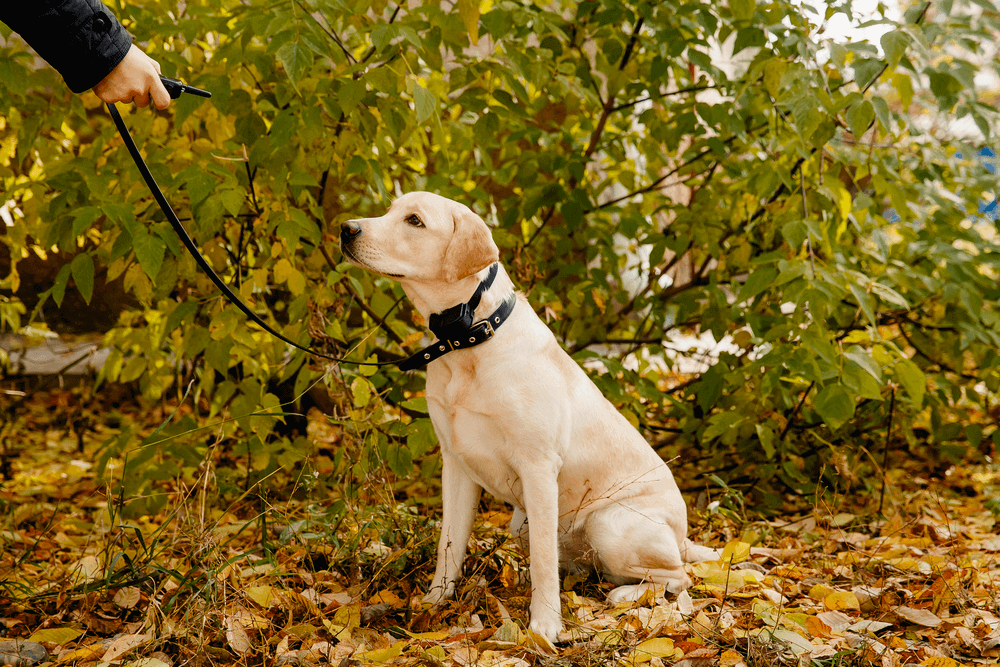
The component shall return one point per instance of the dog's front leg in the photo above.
(541, 498)
(459, 497)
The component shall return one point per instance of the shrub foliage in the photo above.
(652, 169)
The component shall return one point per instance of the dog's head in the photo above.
(422, 237)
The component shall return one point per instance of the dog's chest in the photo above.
(471, 431)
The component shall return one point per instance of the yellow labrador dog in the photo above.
(515, 415)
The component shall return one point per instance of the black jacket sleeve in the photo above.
(82, 39)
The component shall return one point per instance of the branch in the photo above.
(330, 34)
(373, 49)
(364, 306)
(672, 172)
(943, 366)
(693, 89)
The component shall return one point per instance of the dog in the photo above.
(515, 415)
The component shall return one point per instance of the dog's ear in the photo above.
(471, 249)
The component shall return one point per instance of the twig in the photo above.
(329, 33)
(788, 424)
(364, 306)
(885, 450)
(805, 215)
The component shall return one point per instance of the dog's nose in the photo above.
(349, 231)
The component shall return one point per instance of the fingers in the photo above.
(161, 98)
(136, 79)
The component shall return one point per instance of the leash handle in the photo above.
(175, 87)
(198, 257)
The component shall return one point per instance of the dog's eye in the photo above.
(414, 220)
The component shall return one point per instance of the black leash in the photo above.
(456, 326)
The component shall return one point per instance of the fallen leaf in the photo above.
(684, 603)
(730, 658)
(382, 655)
(660, 647)
(817, 628)
(837, 620)
(735, 552)
(262, 595)
(127, 597)
(88, 653)
(869, 626)
(123, 644)
(940, 661)
(918, 616)
(55, 635)
(237, 637)
(841, 600)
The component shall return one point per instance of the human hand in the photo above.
(135, 79)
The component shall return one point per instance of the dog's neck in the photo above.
(437, 298)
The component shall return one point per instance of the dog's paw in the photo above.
(438, 594)
(546, 625)
(681, 584)
(696, 553)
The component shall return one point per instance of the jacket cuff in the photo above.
(103, 44)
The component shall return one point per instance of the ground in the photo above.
(299, 575)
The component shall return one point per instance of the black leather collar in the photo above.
(455, 327)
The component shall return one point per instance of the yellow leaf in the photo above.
(438, 636)
(598, 299)
(820, 591)
(55, 635)
(841, 600)
(413, 338)
(381, 655)
(540, 643)
(735, 552)
(661, 647)
(89, 653)
(262, 595)
(940, 661)
(469, 11)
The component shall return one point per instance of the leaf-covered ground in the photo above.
(280, 579)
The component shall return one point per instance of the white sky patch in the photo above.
(869, 21)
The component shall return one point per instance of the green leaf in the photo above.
(709, 389)
(232, 200)
(59, 286)
(742, 9)
(912, 379)
(766, 437)
(296, 59)
(974, 434)
(758, 281)
(82, 268)
(361, 391)
(834, 405)
(425, 102)
(865, 70)
(894, 45)
(859, 117)
(84, 218)
(149, 251)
